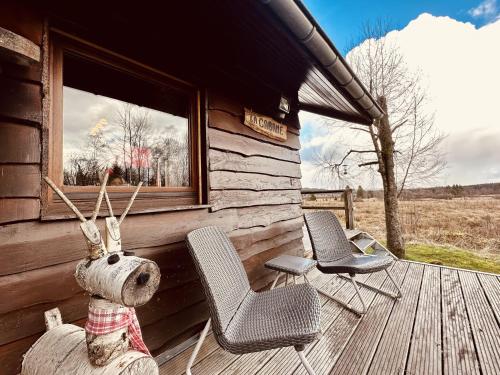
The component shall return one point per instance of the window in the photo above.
(111, 114)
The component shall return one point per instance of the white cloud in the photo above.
(460, 65)
(488, 10)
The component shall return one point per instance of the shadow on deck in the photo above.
(447, 322)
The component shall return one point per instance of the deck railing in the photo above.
(347, 207)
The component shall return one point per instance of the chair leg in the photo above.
(378, 290)
(359, 294)
(399, 295)
(276, 280)
(339, 301)
(197, 347)
(305, 363)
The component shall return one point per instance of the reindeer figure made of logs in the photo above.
(117, 281)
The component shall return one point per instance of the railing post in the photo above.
(349, 208)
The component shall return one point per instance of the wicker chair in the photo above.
(245, 321)
(334, 255)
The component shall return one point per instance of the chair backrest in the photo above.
(221, 273)
(328, 239)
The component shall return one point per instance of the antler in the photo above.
(65, 199)
(72, 206)
(132, 198)
(108, 204)
(99, 197)
(92, 235)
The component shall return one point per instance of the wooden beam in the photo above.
(18, 209)
(249, 147)
(20, 100)
(21, 143)
(223, 180)
(331, 112)
(220, 199)
(20, 180)
(229, 161)
(349, 208)
(17, 48)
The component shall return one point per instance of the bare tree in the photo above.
(141, 126)
(421, 158)
(124, 119)
(135, 140)
(402, 146)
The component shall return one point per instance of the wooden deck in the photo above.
(447, 322)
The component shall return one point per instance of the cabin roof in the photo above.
(258, 50)
(330, 80)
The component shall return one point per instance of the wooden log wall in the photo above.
(259, 177)
(20, 125)
(254, 187)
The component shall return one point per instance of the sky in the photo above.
(455, 45)
(341, 19)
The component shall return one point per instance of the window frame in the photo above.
(150, 198)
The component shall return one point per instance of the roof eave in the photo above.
(305, 28)
(332, 112)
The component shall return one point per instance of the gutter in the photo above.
(302, 24)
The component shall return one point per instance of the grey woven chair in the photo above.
(245, 321)
(334, 255)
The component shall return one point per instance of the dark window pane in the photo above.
(136, 128)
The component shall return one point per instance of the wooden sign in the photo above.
(265, 125)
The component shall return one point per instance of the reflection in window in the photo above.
(138, 130)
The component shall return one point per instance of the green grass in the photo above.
(451, 257)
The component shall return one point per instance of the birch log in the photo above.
(113, 236)
(52, 318)
(127, 280)
(63, 351)
(102, 349)
(95, 244)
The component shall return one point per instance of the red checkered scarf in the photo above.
(104, 321)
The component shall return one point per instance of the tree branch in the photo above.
(398, 126)
(352, 152)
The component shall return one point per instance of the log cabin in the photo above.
(198, 100)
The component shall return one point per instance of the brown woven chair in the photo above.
(245, 321)
(334, 255)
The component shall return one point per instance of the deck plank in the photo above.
(216, 362)
(491, 286)
(286, 361)
(484, 326)
(459, 355)
(177, 365)
(329, 348)
(392, 351)
(446, 322)
(250, 363)
(358, 354)
(425, 346)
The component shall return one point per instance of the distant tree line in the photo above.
(438, 192)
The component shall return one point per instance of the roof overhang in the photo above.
(330, 63)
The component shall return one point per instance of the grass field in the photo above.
(461, 232)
